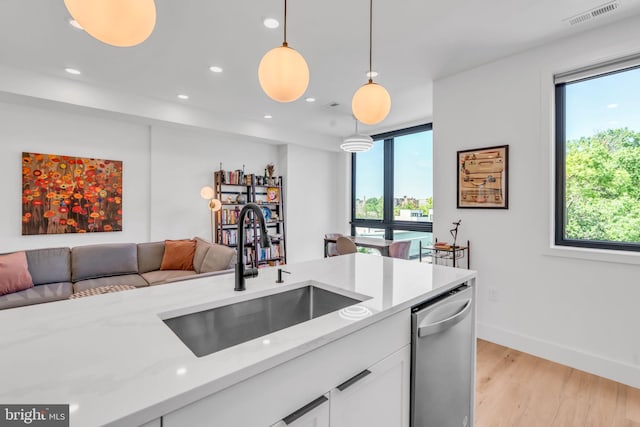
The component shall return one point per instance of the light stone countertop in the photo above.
(112, 358)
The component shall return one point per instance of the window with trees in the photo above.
(598, 156)
(392, 187)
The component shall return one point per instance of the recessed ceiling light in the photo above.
(75, 24)
(310, 99)
(268, 116)
(372, 74)
(72, 71)
(612, 106)
(271, 23)
(183, 96)
(215, 69)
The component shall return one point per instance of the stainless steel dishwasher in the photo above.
(443, 360)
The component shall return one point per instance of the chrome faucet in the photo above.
(265, 242)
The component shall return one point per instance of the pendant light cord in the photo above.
(285, 24)
(370, 40)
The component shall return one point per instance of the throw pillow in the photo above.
(178, 255)
(218, 258)
(202, 247)
(14, 273)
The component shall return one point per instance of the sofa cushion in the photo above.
(125, 279)
(178, 255)
(150, 256)
(14, 273)
(202, 246)
(49, 265)
(112, 259)
(36, 295)
(217, 258)
(163, 276)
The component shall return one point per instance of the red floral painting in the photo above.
(65, 194)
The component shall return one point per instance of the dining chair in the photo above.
(332, 249)
(344, 245)
(400, 249)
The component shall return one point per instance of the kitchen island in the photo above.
(113, 359)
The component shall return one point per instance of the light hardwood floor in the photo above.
(518, 389)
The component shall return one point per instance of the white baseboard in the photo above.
(614, 370)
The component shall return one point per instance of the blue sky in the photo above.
(413, 169)
(609, 102)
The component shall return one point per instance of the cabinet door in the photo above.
(376, 397)
(315, 414)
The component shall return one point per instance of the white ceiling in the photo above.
(415, 42)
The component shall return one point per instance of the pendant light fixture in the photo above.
(283, 73)
(371, 103)
(120, 23)
(357, 143)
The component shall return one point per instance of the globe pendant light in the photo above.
(283, 73)
(121, 23)
(371, 103)
(357, 143)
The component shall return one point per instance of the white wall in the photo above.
(29, 129)
(165, 166)
(553, 303)
(312, 180)
(182, 162)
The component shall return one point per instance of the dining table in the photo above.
(381, 245)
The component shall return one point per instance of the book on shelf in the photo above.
(228, 216)
(236, 177)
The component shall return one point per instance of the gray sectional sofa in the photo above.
(57, 273)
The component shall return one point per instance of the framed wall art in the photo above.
(482, 180)
(66, 194)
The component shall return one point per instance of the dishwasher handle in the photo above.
(436, 327)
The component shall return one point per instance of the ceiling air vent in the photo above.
(580, 19)
(593, 13)
(609, 7)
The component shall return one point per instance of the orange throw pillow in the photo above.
(178, 255)
(14, 274)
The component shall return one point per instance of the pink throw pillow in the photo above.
(14, 274)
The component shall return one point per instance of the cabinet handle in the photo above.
(351, 381)
(304, 410)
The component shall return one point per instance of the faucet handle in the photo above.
(280, 271)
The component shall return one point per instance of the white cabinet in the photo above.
(377, 397)
(266, 398)
(314, 414)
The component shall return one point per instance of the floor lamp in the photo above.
(207, 193)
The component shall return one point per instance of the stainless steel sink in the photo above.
(208, 331)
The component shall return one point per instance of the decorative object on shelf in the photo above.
(120, 23)
(266, 212)
(454, 232)
(67, 194)
(357, 143)
(270, 170)
(371, 103)
(273, 195)
(240, 198)
(283, 73)
(208, 193)
(483, 180)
